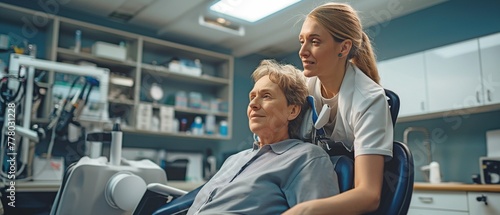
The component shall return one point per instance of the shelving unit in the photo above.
(146, 62)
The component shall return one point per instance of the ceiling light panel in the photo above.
(250, 10)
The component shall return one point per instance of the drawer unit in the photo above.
(451, 200)
(484, 203)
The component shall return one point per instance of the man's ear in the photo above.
(294, 111)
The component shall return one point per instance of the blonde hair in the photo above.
(343, 23)
(293, 84)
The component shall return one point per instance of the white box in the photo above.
(167, 116)
(51, 170)
(144, 115)
(110, 51)
(188, 70)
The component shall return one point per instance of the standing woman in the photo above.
(339, 62)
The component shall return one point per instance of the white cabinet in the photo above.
(439, 202)
(406, 77)
(454, 76)
(489, 47)
(477, 203)
(454, 203)
(464, 75)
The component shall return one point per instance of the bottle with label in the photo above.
(223, 128)
(183, 126)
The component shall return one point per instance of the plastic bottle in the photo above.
(161, 159)
(210, 124)
(78, 41)
(434, 172)
(197, 126)
(223, 128)
(183, 126)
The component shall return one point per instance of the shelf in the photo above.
(68, 54)
(203, 79)
(170, 134)
(198, 111)
(121, 101)
(189, 110)
(95, 32)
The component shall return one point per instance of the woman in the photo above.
(279, 171)
(340, 65)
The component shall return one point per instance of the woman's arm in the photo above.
(363, 198)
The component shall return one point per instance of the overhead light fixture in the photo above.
(250, 10)
(221, 24)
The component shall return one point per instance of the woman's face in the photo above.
(268, 112)
(318, 51)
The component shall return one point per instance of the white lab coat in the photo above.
(363, 120)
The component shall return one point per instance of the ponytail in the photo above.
(364, 58)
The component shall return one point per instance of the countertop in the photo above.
(454, 186)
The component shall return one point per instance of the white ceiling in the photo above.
(272, 36)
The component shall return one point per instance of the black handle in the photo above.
(482, 198)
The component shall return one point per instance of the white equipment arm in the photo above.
(17, 61)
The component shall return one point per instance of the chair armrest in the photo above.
(178, 205)
(166, 190)
(155, 196)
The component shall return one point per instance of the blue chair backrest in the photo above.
(393, 101)
(397, 187)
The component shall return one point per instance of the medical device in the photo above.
(96, 186)
(17, 69)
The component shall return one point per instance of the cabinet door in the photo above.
(490, 66)
(406, 77)
(478, 206)
(454, 76)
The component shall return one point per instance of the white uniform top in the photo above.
(360, 116)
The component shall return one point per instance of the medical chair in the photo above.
(396, 191)
(397, 187)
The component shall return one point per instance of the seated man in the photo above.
(280, 170)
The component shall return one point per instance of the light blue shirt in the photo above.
(268, 180)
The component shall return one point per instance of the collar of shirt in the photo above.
(278, 147)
